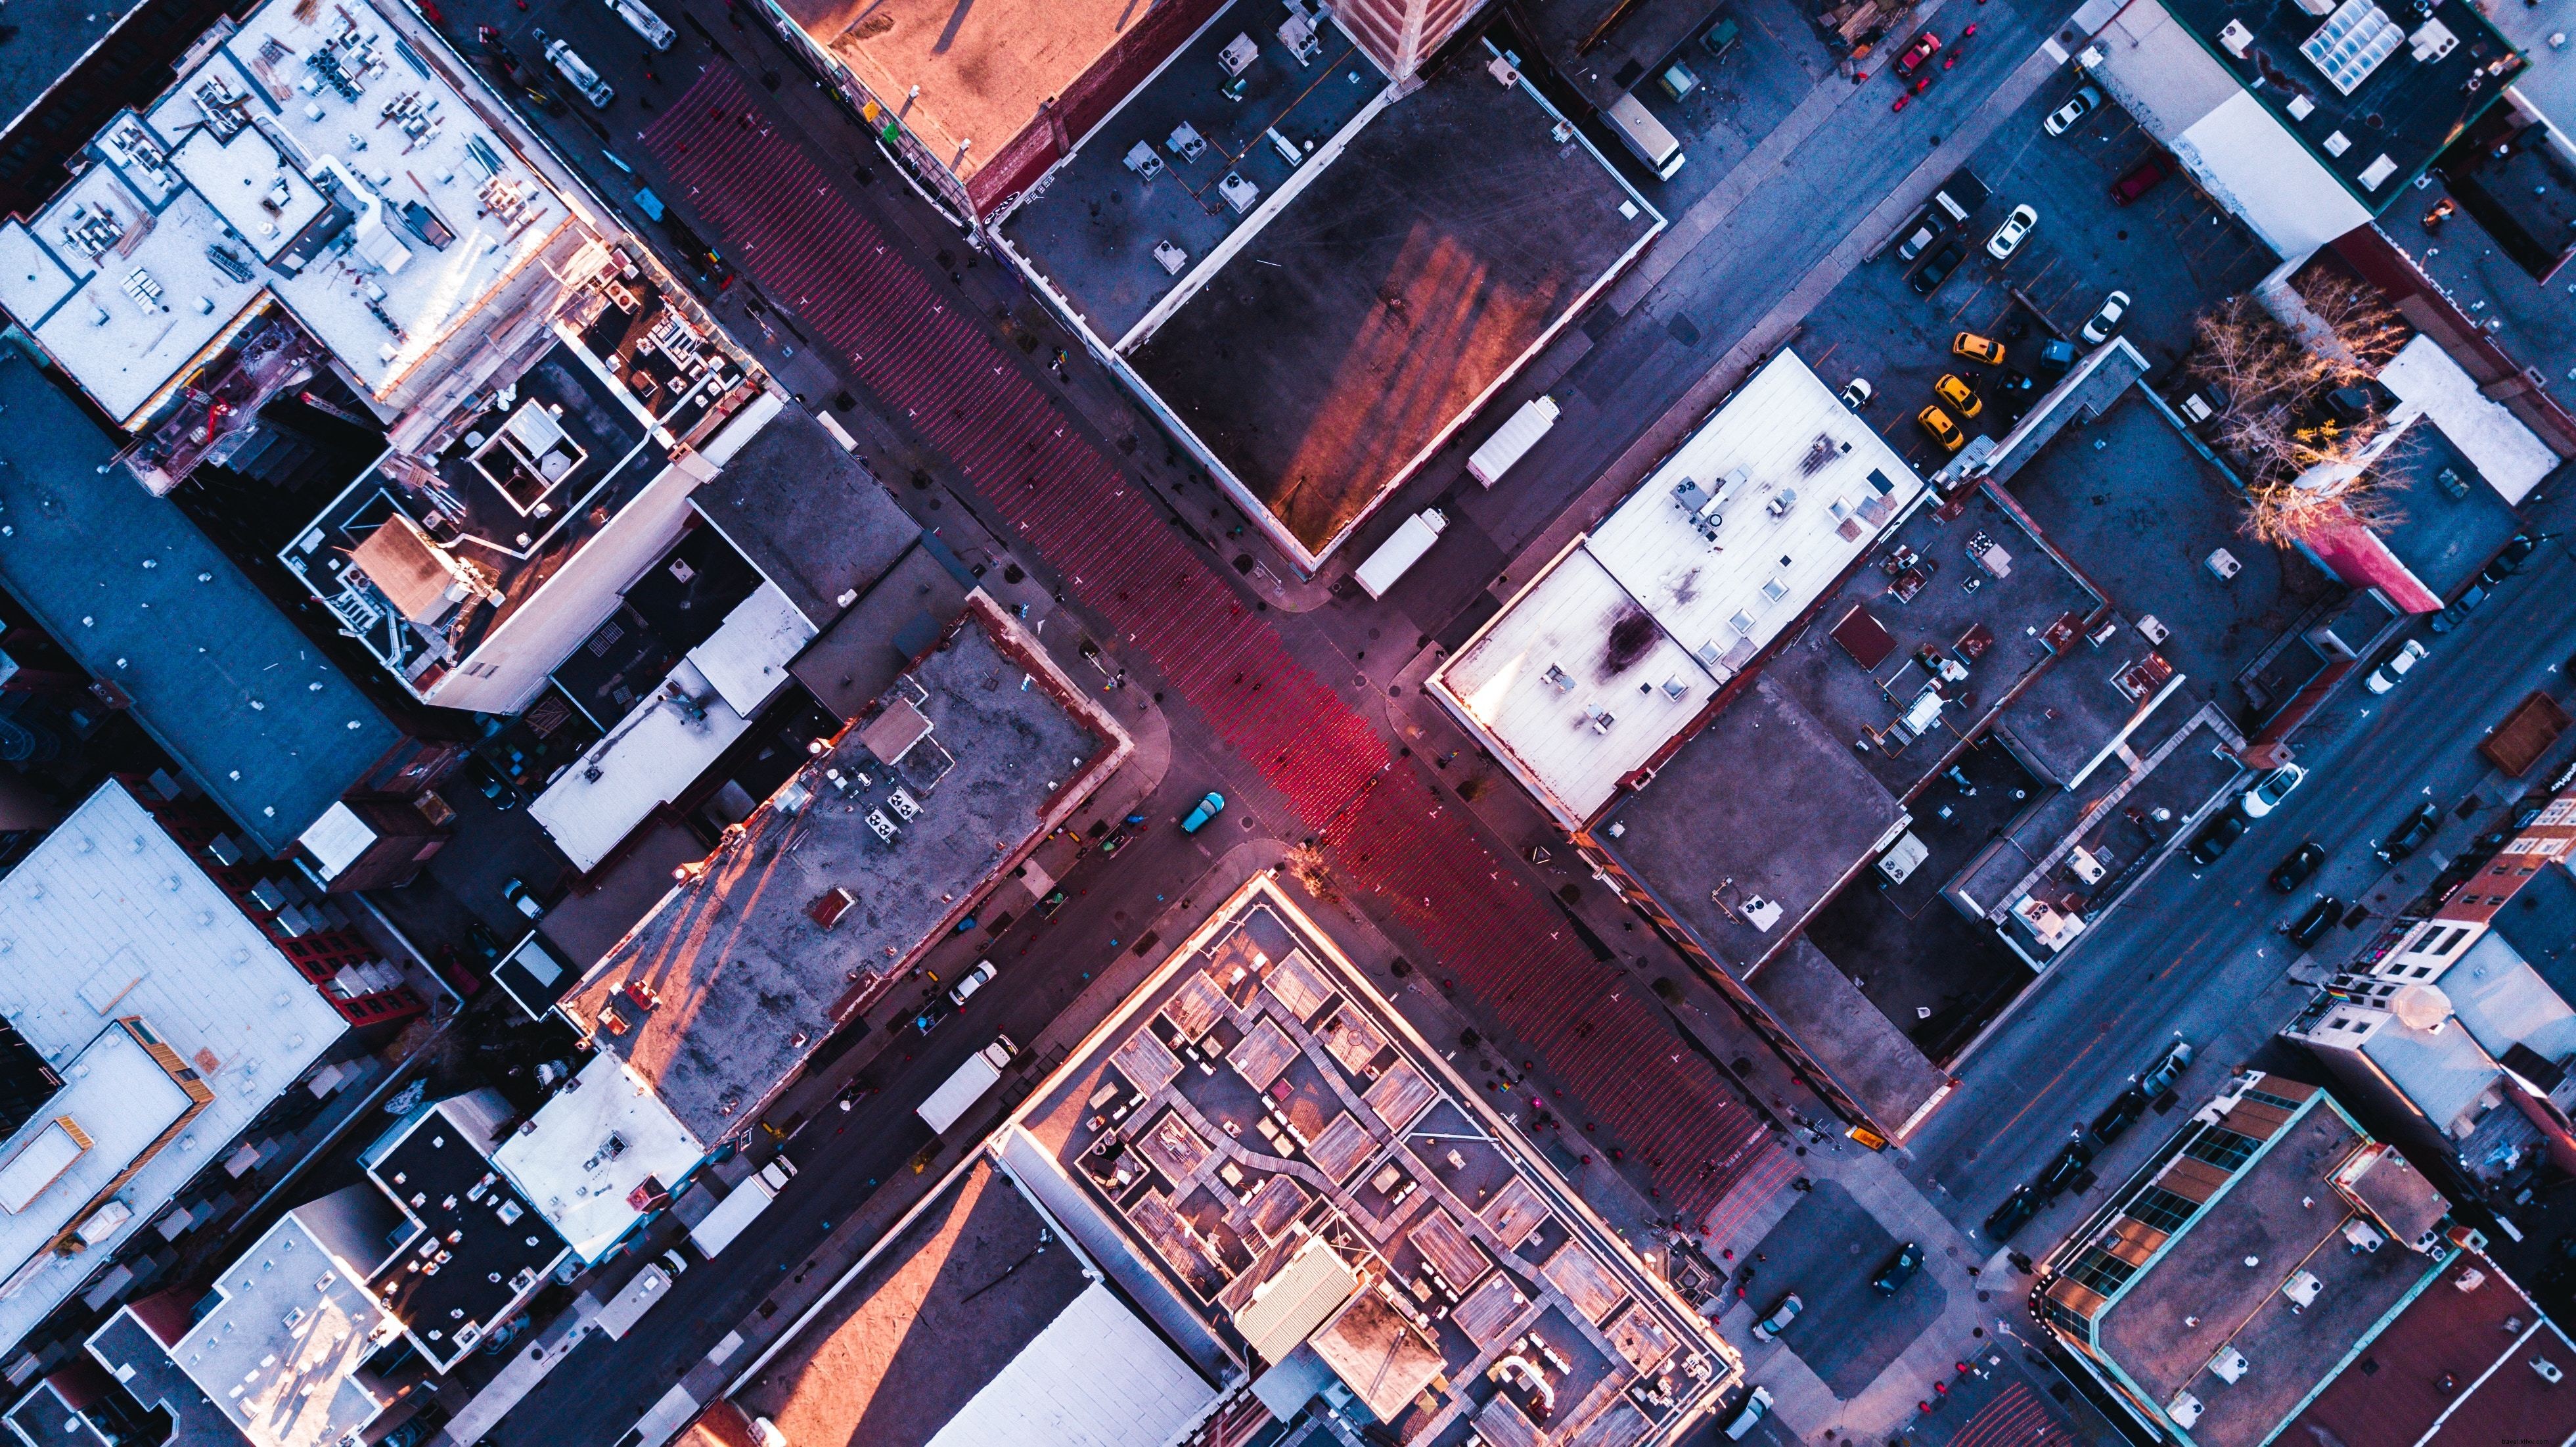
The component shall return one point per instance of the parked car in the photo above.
(576, 72)
(2016, 380)
(1755, 1405)
(1911, 58)
(2517, 551)
(2013, 1214)
(1900, 1269)
(2214, 837)
(2202, 403)
(2008, 237)
(2077, 107)
(2461, 607)
(972, 981)
(1857, 392)
(2412, 834)
(1925, 229)
(1783, 1312)
(2159, 1080)
(417, 1428)
(516, 892)
(640, 18)
(2141, 178)
(2297, 865)
(934, 1010)
(1943, 430)
(2270, 790)
(1977, 349)
(1209, 808)
(2119, 1115)
(1937, 268)
(2062, 1169)
(1961, 397)
(2400, 661)
(2107, 320)
(2056, 357)
(2311, 927)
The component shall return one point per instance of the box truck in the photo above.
(1402, 549)
(960, 1091)
(717, 1229)
(1513, 440)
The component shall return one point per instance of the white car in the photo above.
(578, 74)
(2107, 320)
(2394, 667)
(1756, 1404)
(2007, 237)
(973, 981)
(640, 17)
(1857, 395)
(2077, 107)
(2266, 796)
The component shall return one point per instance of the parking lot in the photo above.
(1741, 97)
(1826, 1250)
(2171, 250)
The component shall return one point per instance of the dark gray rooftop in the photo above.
(247, 705)
(936, 1316)
(490, 1247)
(142, 1362)
(46, 40)
(858, 658)
(1606, 48)
(2541, 924)
(2534, 321)
(1768, 800)
(736, 977)
(1412, 275)
(1093, 232)
(46, 1418)
(1842, 1029)
(802, 509)
(2442, 540)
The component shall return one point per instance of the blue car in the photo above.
(1209, 808)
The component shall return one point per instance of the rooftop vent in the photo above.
(2360, 1235)
(2302, 1288)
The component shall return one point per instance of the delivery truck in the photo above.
(960, 1091)
(716, 1230)
(1402, 549)
(1513, 440)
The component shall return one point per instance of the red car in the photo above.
(2141, 178)
(1912, 57)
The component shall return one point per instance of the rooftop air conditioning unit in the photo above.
(2303, 1288)
(2184, 1409)
(2362, 1236)
(2236, 38)
(2155, 631)
(2223, 564)
(2230, 1365)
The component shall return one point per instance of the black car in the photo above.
(2297, 866)
(2063, 1169)
(2461, 607)
(2056, 357)
(2509, 562)
(1900, 1269)
(1937, 268)
(2312, 926)
(2212, 840)
(2412, 834)
(2013, 1214)
(2119, 1115)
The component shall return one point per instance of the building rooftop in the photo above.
(2478, 269)
(474, 1251)
(2540, 924)
(230, 192)
(2458, 1365)
(1330, 354)
(1094, 232)
(254, 713)
(2442, 539)
(1604, 48)
(45, 1417)
(831, 890)
(976, 1321)
(593, 1158)
(48, 40)
(795, 503)
(1724, 548)
(131, 1345)
(852, 664)
(2371, 95)
(109, 920)
(280, 1348)
(2224, 1282)
(1256, 1096)
(985, 73)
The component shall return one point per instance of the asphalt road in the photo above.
(2195, 950)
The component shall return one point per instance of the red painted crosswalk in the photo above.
(1636, 1087)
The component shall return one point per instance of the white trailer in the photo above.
(1402, 549)
(958, 1092)
(716, 1230)
(1513, 440)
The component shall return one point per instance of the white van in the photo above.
(578, 74)
(640, 17)
(1402, 549)
(1645, 136)
(1513, 440)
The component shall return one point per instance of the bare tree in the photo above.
(2365, 327)
(2343, 481)
(2303, 472)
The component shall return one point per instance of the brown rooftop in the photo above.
(2458, 1356)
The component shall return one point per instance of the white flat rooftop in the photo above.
(107, 918)
(280, 1352)
(321, 163)
(1731, 541)
(592, 1144)
(653, 754)
(115, 1104)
